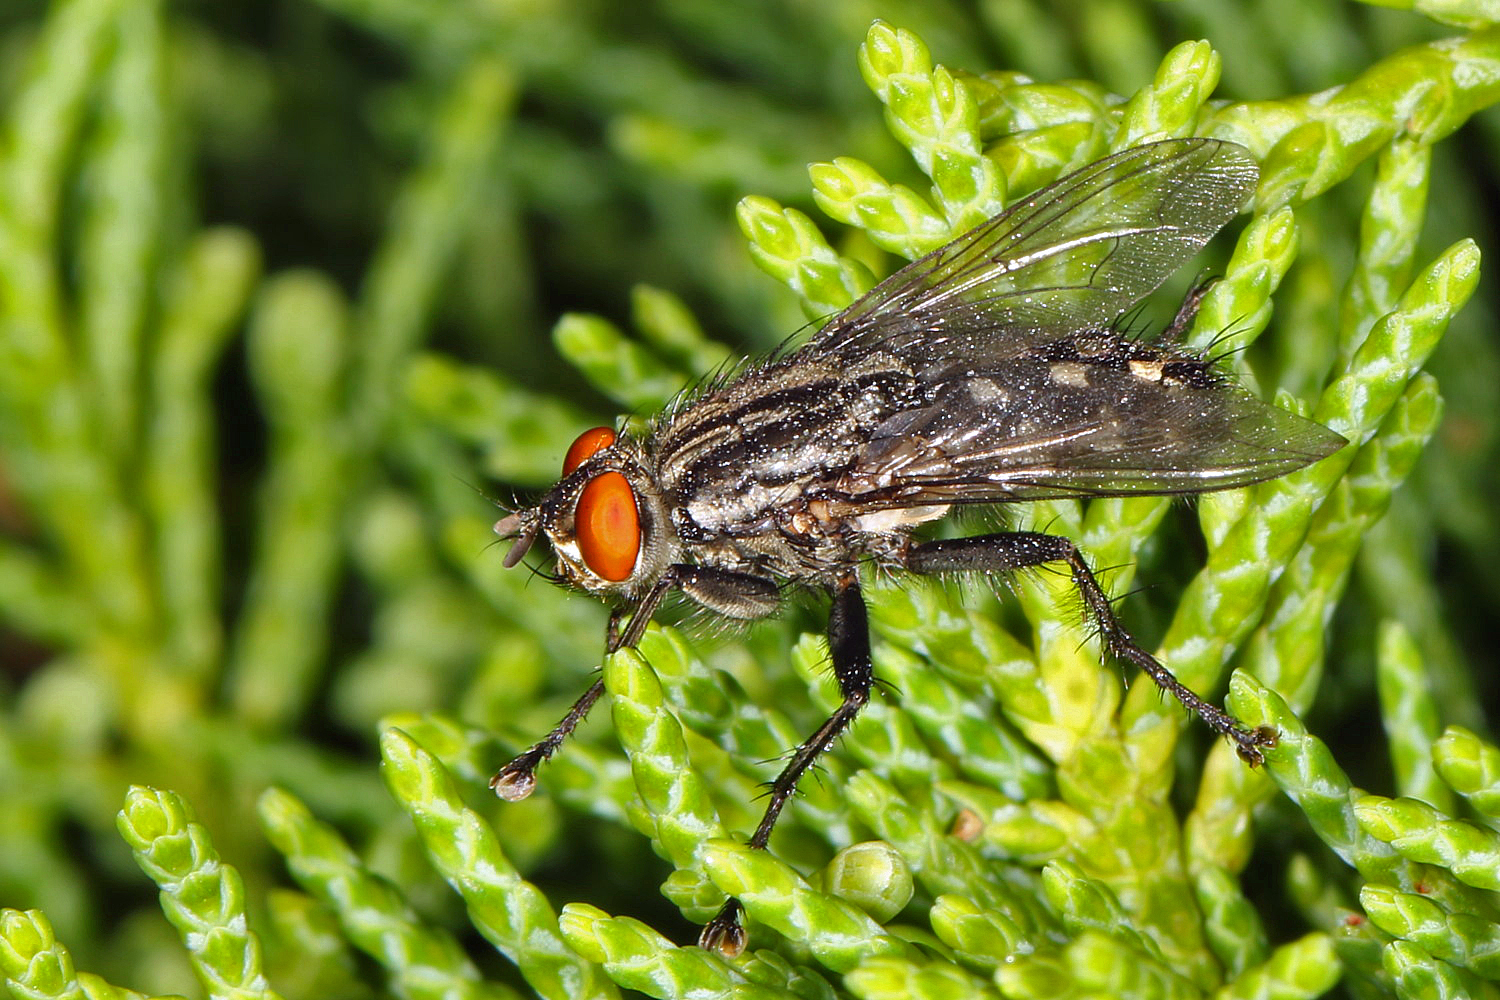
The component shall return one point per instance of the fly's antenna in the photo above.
(512, 508)
(521, 525)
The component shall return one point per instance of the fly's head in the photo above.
(605, 519)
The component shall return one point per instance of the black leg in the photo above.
(1017, 550)
(517, 779)
(849, 648)
(734, 595)
(1187, 312)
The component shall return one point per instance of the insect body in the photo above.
(988, 372)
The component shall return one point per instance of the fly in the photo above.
(991, 371)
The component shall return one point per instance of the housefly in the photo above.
(991, 371)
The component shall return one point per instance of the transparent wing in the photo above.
(1073, 255)
(1033, 429)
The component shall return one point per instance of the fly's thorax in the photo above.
(606, 520)
(741, 459)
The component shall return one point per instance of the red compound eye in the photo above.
(608, 527)
(584, 447)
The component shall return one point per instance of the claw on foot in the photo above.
(1249, 744)
(724, 933)
(515, 781)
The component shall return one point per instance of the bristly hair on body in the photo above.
(993, 371)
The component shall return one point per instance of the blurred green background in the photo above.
(280, 282)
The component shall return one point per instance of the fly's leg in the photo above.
(517, 779)
(849, 648)
(1187, 312)
(1020, 549)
